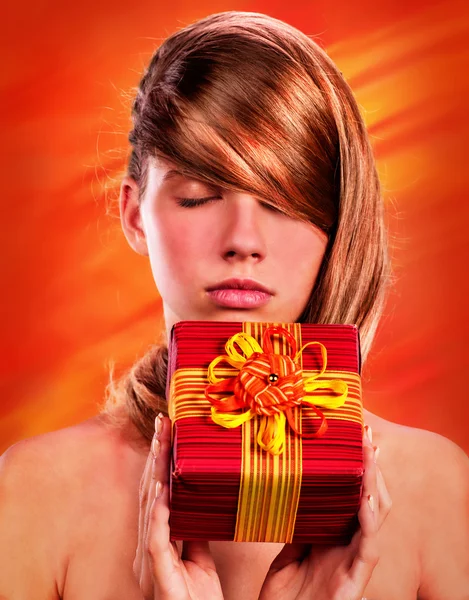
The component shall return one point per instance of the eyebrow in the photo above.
(172, 173)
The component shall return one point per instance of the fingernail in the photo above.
(376, 449)
(369, 433)
(159, 423)
(371, 503)
(155, 446)
(158, 489)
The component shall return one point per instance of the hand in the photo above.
(305, 571)
(161, 572)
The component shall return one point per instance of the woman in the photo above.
(250, 160)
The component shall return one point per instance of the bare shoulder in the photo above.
(62, 456)
(429, 475)
(422, 458)
(55, 488)
(61, 462)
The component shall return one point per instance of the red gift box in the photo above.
(267, 423)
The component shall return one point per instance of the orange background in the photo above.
(75, 295)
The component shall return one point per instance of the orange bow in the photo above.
(269, 385)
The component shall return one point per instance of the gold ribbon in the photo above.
(269, 483)
(269, 385)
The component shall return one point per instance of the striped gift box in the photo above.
(267, 424)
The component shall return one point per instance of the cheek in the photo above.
(175, 243)
(299, 252)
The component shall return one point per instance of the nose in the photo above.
(243, 231)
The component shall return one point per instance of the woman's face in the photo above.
(235, 235)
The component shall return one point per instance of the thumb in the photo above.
(290, 553)
(199, 553)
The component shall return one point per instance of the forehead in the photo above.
(163, 170)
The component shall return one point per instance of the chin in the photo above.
(242, 315)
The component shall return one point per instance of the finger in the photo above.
(370, 484)
(146, 578)
(144, 491)
(162, 562)
(289, 553)
(385, 501)
(365, 539)
(163, 559)
(161, 465)
(159, 471)
(199, 553)
(369, 503)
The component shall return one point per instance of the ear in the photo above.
(131, 219)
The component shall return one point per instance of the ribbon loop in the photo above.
(272, 395)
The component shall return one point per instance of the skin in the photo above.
(300, 571)
(73, 524)
(190, 248)
(234, 236)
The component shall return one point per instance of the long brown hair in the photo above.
(247, 102)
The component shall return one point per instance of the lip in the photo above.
(238, 298)
(236, 283)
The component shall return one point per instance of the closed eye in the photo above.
(191, 202)
(188, 202)
(272, 207)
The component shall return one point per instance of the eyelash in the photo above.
(190, 202)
